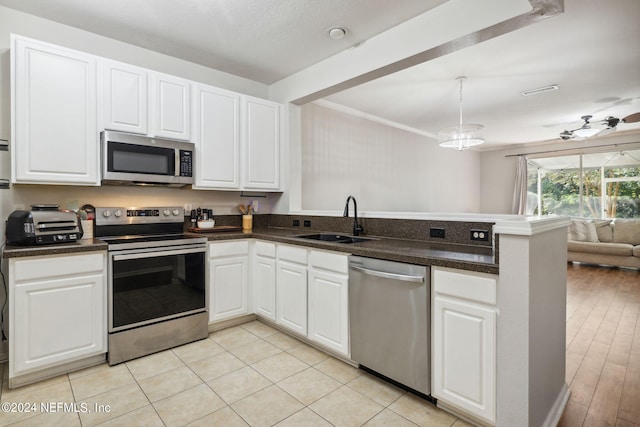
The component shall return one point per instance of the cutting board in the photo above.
(216, 229)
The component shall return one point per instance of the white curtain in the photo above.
(519, 206)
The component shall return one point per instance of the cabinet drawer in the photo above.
(222, 249)
(292, 254)
(329, 261)
(53, 266)
(265, 249)
(478, 287)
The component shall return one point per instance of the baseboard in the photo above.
(227, 323)
(554, 415)
(46, 373)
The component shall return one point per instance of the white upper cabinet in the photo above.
(216, 126)
(125, 97)
(261, 143)
(54, 115)
(171, 107)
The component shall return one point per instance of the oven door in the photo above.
(152, 285)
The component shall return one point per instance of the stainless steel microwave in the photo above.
(137, 159)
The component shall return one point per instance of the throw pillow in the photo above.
(583, 231)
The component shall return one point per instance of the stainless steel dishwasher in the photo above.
(389, 305)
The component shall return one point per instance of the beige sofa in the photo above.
(610, 242)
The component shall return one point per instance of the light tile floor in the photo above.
(250, 374)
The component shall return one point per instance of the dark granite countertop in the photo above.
(88, 245)
(463, 257)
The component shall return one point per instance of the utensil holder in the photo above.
(87, 228)
(247, 222)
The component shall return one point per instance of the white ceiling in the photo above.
(592, 51)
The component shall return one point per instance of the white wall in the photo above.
(385, 168)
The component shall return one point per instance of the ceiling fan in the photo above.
(586, 130)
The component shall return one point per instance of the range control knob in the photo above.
(176, 212)
(106, 213)
(117, 213)
(166, 212)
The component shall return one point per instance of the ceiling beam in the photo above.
(349, 68)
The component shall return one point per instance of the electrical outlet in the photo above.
(306, 223)
(436, 232)
(296, 223)
(479, 235)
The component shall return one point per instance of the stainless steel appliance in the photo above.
(389, 306)
(156, 281)
(43, 224)
(137, 159)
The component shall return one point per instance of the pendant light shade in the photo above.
(461, 136)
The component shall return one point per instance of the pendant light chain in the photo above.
(461, 80)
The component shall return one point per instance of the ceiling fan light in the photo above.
(586, 132)
(461, 137)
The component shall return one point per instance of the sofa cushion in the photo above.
(636, 251)
(583, 230)
(604, 228)
(617, 249)
(626, 231)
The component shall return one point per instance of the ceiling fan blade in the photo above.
(632, 118)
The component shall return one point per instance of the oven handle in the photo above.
(138, 255)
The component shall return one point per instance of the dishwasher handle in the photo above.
(388, 275)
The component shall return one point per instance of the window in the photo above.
(595, 185)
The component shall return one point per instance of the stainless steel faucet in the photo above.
(357, 228)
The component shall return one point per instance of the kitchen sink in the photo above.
(333, 238)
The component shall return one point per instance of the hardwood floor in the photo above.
(603, 347)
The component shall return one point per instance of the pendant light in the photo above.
(461, 136)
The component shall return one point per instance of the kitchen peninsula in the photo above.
(527, 350)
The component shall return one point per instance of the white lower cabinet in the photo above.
(311, 292)
(329, 300)
(57, 310)
(464, 341)
(291, 288)
(263, 279)
(228, 281)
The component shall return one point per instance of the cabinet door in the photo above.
(55, 134)
(228, 287)
(125, 97)
(217, 136)
(463, 350)
(264, 286)
(58, 310)
(261, 144)
(171, 107)
(291, 290)
(329, 310)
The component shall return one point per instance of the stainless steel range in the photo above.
(156, 275)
